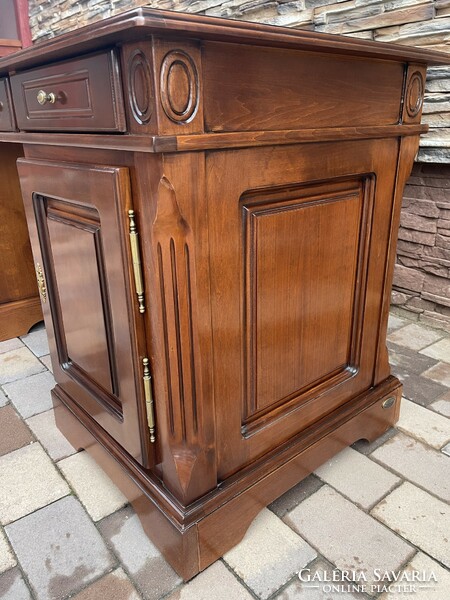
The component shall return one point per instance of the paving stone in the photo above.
(347, 536)
(314, 590)
(418, 463)
(31, 395)
(408, 359)
(114, 586)
(148, 569)
(44, 428)
(13, 587)
(269, 554)
(13, 431)
(47, 362)
(419, 518)
(93, 487)
(295, 495)
(28, 481)
(3, 399)
(8, 345)
(36, 340)
(442, 405)
(446, 450)
(215, 582)
(423, 424)
(360, 479)
(17, 364)
(395, 322)
(60, 549)
(440, 350)
(415, 336)
(439, 373)
(427, 590)
(367, 448)
(7, 560)
(421, 390)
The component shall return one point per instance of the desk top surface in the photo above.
(143, 22)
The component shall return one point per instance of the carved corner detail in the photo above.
(179, 86)
(172, 236)
(414, 94)
(140, 87)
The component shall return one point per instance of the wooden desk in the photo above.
(213, 209)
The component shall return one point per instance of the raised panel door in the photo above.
(77, 216)
(298, 252)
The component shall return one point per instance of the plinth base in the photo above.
(193, 537)
(17, 318)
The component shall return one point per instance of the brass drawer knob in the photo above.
(42, 97)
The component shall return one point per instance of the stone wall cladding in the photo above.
(422, 272)
(423, 23)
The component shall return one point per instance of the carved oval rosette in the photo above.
(140, 87)
(414, 95)
(179, 86)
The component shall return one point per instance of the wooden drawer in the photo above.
(6, 113)
(81, 94)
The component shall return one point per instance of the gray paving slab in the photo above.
(357, 477)
(94, 488)
(346, 536)
(149, 571)
(60, 549)
(36, 340)
(269, 555)
(13, 587)
(418, 463)
(215, 582)
(31, 395)
(28, 481)
(17, 364)
(44, 427)
(418, 517)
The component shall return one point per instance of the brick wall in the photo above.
(422, 276)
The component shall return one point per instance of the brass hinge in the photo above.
(149, 399)
(136, 257)
(41, 282)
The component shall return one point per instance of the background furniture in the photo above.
(19, 300)
(213, 209)
(14, 26)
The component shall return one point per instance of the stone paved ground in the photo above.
(67, 532)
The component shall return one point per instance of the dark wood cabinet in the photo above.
(215, 272)
(19, 302)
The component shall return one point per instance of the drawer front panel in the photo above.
(6, 113)
(252, 88)
(83, 94)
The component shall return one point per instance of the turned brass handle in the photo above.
(41, 282)
(42, 97)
